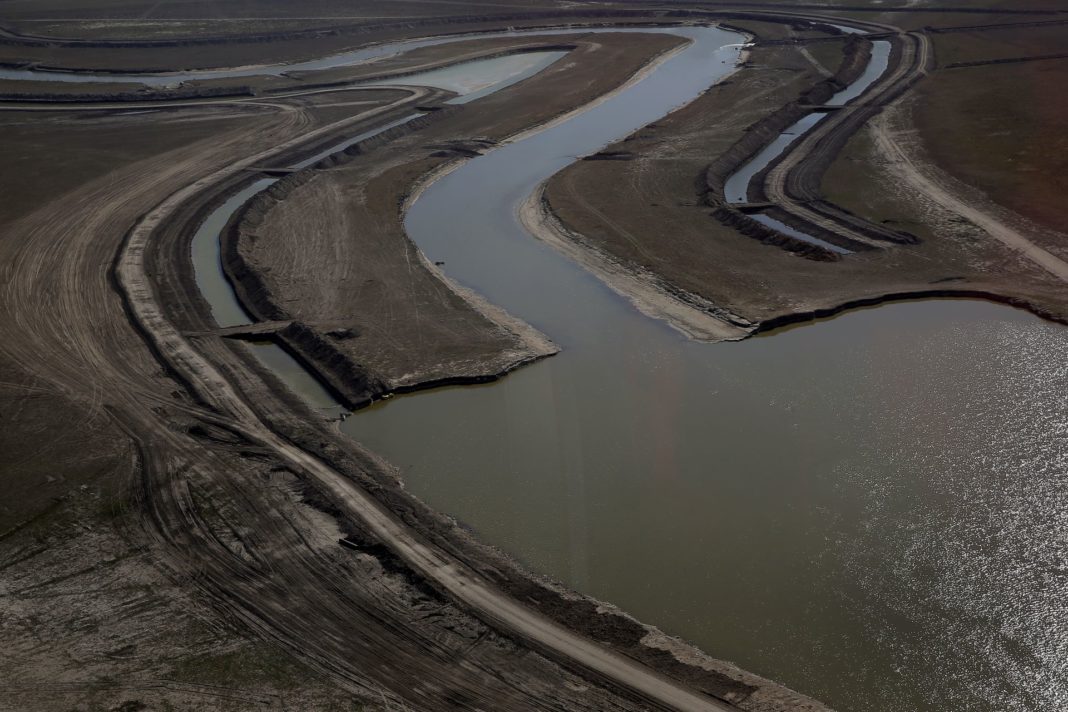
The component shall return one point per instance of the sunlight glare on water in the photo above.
(867, 509)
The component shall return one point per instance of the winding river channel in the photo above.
(870, 509)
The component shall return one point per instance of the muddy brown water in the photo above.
(870, 509)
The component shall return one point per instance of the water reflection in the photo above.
(871, 509)
(848, 507)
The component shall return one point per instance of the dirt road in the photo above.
(909, 170)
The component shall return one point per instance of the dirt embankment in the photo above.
(409, 157)
(794, 177)
(857, 53)
(805, 179)
(234, 523)
(93, 617)
(749, 227)
(386, 321)
(640, 212)
(334, 346)
(247, 282)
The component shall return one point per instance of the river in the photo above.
(870, 509)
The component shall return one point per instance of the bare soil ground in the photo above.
(156, 550)
(649, 211)
(200, 535)
(919, 164)
(1014, 111)
(92, 623)
(562, 624)
(988, 135)
(91, 619)
(93, 144)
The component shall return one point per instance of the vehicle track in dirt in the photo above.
(912, 169)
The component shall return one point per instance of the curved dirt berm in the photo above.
(373, 318)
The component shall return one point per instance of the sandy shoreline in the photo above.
(691, 315)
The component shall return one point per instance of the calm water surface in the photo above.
(870, 509)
